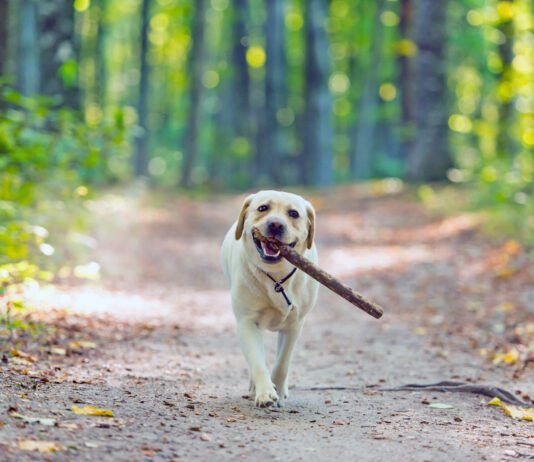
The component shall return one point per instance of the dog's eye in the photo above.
(293, 214)
(263, 208)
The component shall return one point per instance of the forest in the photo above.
(221, 93)
(130, 131)
(232, 95)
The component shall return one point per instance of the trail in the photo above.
(176, 380)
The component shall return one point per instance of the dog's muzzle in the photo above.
(269, 253)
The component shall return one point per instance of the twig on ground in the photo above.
(448, 386)
(444, 386)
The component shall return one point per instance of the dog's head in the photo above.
(285, 216)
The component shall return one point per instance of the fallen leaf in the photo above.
(58, 351)
(40, 446)
(509, 357)
(506, 272)
(205, 437)
(440, 406)
(77, 345)
(515, 412)
(20, 361)
(68, 425)
(20, 354)
(512, 247)
(92, 411)
(340, 422)
(32, 420)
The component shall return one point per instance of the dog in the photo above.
(268, 293)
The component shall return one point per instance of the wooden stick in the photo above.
(292, 256)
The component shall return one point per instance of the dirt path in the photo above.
(171, 370)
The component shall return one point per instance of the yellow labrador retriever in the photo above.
(267, 291)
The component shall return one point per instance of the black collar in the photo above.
(278, 284)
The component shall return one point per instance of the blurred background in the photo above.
(230, 95)
(131, 130)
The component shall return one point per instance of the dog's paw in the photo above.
(280, 384)
(266, 398)
(282, 395)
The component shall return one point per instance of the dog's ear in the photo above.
(311, 225)
(242, 216)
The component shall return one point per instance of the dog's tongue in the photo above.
(269, 251)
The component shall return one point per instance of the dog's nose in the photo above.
(276, 228)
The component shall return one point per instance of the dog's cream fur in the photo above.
(255, 303)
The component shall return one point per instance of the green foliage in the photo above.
(47, 158)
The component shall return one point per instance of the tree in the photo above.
(430, 157)
(275, 86)
(100, 53)
(506, 52)
(240, 76)
(405, 74)
(58, 55)
(28, 63)
(236, 103)
(141, 145)
(364, 132)
(4, 16)
(317, 155)
(195, 67)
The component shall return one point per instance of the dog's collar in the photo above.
(278, 284)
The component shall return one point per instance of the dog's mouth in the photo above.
(268, 252)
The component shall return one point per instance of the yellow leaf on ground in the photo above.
(20, 354)
(58, 351)
(512, 247)
(81, 345)
(92, 411)
(515, 412)
(41, 446)
(506, 272)
(19, 361)
(509, 357)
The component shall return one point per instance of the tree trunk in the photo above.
(317, 156)
(237, 99)
(241, 78)
(141, 142)
(58, 51)
(504, 142)
(364, 134)
(430, 157)
(4, 20)
(275, 86)
(28, 65)
(100, 55)
(404, 62)
(195, 66)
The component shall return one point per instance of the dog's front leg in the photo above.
(286, 343)
(251, 340)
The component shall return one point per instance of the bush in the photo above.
(48, 159)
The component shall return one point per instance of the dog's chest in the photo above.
(277, 318)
